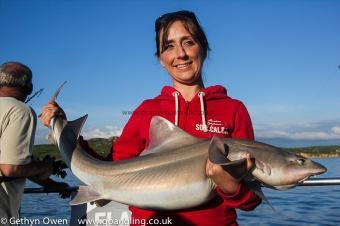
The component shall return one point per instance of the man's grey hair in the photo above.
(15, 74)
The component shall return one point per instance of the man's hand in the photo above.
(54, 186)
(226, 182)
(59, 186)
(47, 165)
(51, 110)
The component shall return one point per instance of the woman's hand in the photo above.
(226, 182)
(51, 110)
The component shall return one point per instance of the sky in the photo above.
(281, 58)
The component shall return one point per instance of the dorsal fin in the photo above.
(164, 135)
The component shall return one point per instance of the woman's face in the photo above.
(182, 56)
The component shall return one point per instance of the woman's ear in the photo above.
(161, 62)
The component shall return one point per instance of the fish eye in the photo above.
(300, 161)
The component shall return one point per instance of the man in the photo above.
(17, 130)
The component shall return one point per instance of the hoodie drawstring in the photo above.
(204, 122)
(176, 94)
(200, 95)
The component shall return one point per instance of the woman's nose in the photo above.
(180, 52)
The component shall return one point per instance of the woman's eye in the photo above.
(189, 42)
(168, 46)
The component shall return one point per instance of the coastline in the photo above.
(320, 155)
(103, 147)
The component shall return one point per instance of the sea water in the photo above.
(299, 206)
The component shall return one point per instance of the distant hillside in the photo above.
(101, 145)
(103, 148)
(318, 151)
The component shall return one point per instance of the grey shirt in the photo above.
(17, 130)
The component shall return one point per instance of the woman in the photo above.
(203, 112)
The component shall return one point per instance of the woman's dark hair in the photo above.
(190, 22)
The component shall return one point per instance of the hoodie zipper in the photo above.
(186, 113)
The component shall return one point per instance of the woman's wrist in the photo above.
(229, 188)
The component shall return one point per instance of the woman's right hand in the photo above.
(51, 110)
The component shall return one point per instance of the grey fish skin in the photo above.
(274, 167)
(171, 174)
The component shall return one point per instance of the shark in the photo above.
(170, 173)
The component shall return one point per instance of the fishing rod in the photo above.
(49, 190)
(310, 182)
(36, 94)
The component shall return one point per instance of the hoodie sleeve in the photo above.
(243, 128)
(244, 198)
(130, 143)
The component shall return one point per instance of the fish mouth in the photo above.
(302, 180)
(319, 169)
(323, 170)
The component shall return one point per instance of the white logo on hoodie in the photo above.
(214, 126)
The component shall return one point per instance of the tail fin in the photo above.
(70, 129)
(77, 125)
(55, 95)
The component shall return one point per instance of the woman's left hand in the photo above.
(226, 182)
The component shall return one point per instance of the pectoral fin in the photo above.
(218, 155)
(85, 194)
(255, 186)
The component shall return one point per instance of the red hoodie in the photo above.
(210, 109)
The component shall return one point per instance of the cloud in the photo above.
(41, 134)
(88, 133)
(308, 131)
(320, 130)
(336, 130)
(104, 132)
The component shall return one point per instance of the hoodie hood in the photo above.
(211, 92)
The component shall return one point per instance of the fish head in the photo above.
(296, 170)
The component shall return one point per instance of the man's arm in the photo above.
(39, 169)
(38, 172)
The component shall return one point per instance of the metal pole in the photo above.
(321, 181)
(309, 182)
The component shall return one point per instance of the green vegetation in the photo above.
(103, 148)
(101, 145)
(41, 150)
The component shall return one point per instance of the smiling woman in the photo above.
(202, 112)
(181, 48)
(181, 56)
